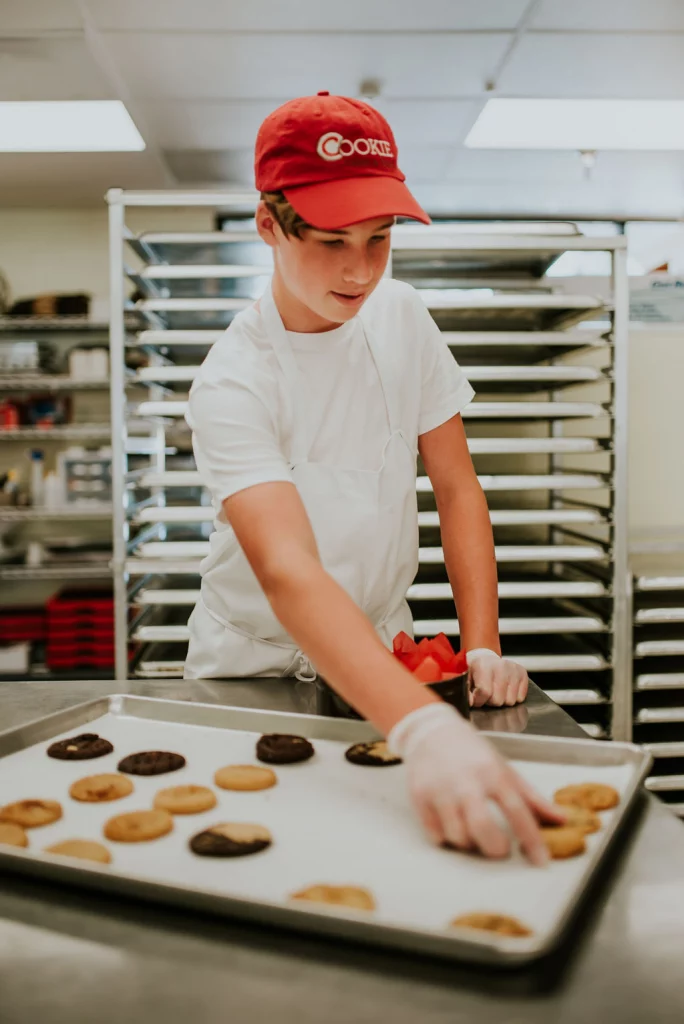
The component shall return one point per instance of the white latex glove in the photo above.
(454, 774)
(495, 680)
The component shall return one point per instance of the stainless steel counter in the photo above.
(73, 957)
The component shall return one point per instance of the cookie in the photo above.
(245, 777)
(231, 839)
(279, 748)
(95, 789)
(581, 818)
(83, 849)
(594, 796)
(12, 834)
(151, 762)
(31, 813)
(185, 799)
(138, 826)
(499, 924)
(351, 896)
(563, 842)
(80, 748)
(376, 754)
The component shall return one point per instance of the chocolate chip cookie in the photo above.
(500, 924)
(83, 849)
(12, 834)
(151, 762)
(374, 754)
(96, 789)
(563, 842)
(80, 748)
(185, 799)
(595, 796)
(351, 896)
(231, 839)
(245, 777)
(138, 826)
(31, 813)
(280, 748)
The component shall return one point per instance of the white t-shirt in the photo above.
(238, 401)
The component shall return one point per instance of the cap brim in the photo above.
(330, 205)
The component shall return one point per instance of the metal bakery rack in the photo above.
(547, 431)
(659, 671)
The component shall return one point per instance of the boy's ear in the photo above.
(266, 225)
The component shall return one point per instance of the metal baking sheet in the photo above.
(660, 681)
(535, 345)
(650, 616)
(526, 517)
(532, 410)
(660, 716)
(572, 698)
(519, 589)
(527, 553)
(528, 482)
(315, 814)
(666, 749)
(475, 310)
(664, 783)
(659, 648)
(661, 582)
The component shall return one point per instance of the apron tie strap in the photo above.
(305, 671)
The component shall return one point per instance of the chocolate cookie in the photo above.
(375, 754)
(231, 839)
(499, 924)
(80, 748)
(151, 762)
(337, 896)
(31, 813)
(595, 796)
(96, 789)
(83, 849)
(279, 748)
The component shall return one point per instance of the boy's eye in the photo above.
(379, 238)
(334, 243)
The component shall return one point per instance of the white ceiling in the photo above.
(198, 77)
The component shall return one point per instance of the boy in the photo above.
(307, 418)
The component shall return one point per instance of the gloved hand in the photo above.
(454, 774)
(495, 680)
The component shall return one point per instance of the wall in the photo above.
(66, 249)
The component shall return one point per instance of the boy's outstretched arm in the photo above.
(468, 545)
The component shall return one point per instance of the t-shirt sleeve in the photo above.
(232, 413)
(445, 391)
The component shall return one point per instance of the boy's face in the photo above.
(330, 272)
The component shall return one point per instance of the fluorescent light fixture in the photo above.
(579, 125)
(56, 126)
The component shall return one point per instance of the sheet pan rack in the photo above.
(547, 433)
(659, 671)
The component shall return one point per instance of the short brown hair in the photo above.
(284, 214)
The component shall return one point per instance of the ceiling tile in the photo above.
(50, 69)
(270, 66)
(206, 167)
(40, 16)
(577, 65)
(229, 124)
(78, 179)
(307, 15)
(607, 15)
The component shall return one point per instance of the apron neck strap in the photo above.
(277, 335)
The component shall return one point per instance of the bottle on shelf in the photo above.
(37, 478)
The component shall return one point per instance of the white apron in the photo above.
(366, 528)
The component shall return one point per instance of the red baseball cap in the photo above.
(335, 158)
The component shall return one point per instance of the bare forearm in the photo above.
(468, 545)
(340, 640)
